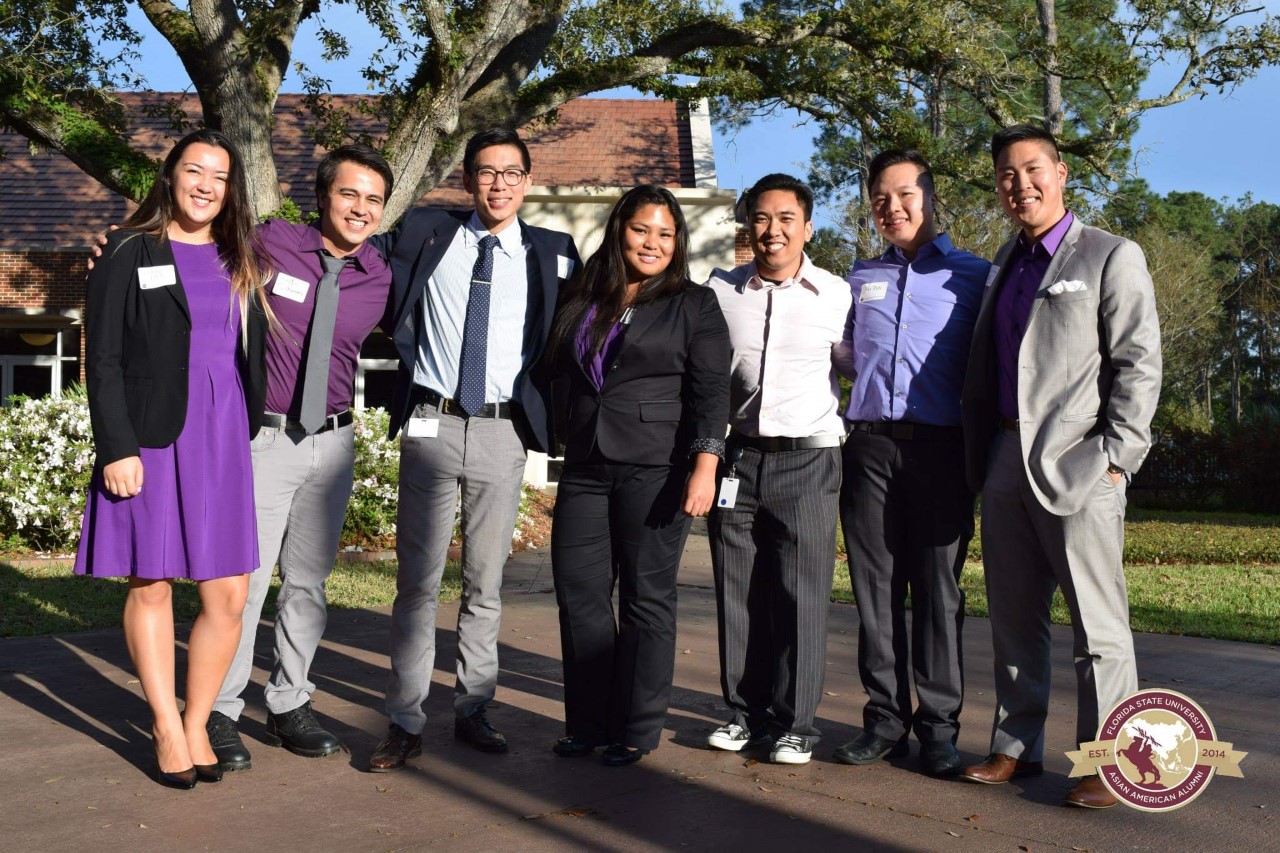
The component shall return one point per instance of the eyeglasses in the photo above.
(510, 177)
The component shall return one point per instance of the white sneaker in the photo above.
(734, 738)
(792, 749)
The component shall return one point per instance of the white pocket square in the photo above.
(1066, 287)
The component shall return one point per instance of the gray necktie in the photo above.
(315, 377)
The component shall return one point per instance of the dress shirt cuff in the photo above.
(707, 445)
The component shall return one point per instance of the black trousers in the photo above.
(908, 518)
(622, 523)
(773, 555)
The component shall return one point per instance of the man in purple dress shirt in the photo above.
(906, 510)
(1063, 380)
(303, 474)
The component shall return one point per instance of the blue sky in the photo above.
(1216, 145)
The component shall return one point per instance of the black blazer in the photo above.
(414, 249)
(668, 385)
(137, 348)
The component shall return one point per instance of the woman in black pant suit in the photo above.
(641, 355)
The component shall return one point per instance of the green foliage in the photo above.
(288, 211)
(371, 512)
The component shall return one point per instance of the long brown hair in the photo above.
(233, 227)
(602, 282)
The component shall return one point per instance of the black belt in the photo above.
(425, 396)
(1010, 424)
(275, 421)
(908, 431)
(779, 444)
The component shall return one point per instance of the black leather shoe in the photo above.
(618, 755)
(226, 743)
(939, 758)
(301, 733)
(391, 753)
(183, 780)
(209, 773)
(869, 747)
(572, 747)
(476, 731)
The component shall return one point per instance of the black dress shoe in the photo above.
(209, 773)
(301, 733)
(572, 747)
(226, 743)
(183, 780)
(869, 747)
(391, 753)
(940, 759)
(476, 731)
(618, 755)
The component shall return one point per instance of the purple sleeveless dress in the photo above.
(194, 517)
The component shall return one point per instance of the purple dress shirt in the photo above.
(294, 251)
(909, 332)
(597, 364)
(1027, 265)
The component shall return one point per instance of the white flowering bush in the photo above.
(371, 514)
(47, 451)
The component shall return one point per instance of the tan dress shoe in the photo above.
(1091, 793)
(1000, 768)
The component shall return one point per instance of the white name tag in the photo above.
(728, 493)
(873, 291)
(564, 266)
(294, 289)
(991, 276)
(423, 428)
(149, 277)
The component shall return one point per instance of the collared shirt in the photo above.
(445, 314)
(782, 335)
(909, 333)
(295, 252)
(1027, 265)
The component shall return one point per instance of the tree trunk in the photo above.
(1053, 115)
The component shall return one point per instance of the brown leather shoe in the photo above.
(394, 749)
(1000, 768)
(1091, 793)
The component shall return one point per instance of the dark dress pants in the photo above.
(618, 522)
(908, 518)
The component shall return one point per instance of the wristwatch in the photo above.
(1113, 468)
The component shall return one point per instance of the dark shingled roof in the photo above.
(47, 203)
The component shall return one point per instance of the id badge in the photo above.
(423, 428)
(728, 493)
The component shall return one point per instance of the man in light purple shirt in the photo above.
(303, 474)
(906, 510)
(1063, 381)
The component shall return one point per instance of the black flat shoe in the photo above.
(940, 759)
(572, 747)
(183, 780)
(869, 747)
(227, 745)
(209, 773)
(618, 755)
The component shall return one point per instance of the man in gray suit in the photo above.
(1062, 383)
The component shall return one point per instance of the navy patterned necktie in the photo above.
(315, 375)
(475, 331)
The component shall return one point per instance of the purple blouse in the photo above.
(597, 365)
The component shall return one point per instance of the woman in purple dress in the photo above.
(174, 330)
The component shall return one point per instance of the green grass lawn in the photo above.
(51, 600)
(1225, 602)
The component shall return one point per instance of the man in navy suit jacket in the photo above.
(460, 281)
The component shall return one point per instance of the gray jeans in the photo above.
(301, 485)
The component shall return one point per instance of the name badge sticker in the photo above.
(991, 276)
(564, 266)
(293, 289)
(728, 493)
(873, 291)
(152, 277)
(423, 428)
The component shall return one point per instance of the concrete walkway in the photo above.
(75, 756)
